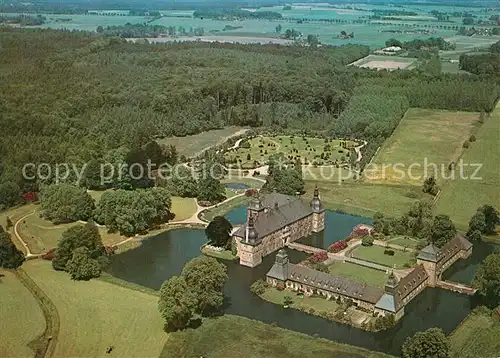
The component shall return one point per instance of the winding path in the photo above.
(29, 254)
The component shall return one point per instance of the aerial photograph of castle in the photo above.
(216, 179)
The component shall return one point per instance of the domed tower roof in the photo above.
(256, 203)
(252, 234)
(316, 205)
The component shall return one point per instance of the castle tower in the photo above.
(252, 236)
(255, 207)
(391, 284)
(428, 257)
(278, 274)
(318, 212)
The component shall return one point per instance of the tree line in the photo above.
(482, 63)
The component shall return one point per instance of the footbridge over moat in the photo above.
(456, 287)
(304, 248)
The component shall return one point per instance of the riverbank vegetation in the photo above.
(254, 340)
(477, 335)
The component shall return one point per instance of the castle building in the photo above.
(397, 293)
(273, 220)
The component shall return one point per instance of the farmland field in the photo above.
(95, 315)
(423, 136)
(385, 62)
(460, 198)
(21, 318)
(323, 20)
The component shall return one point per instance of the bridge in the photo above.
(304, 248)
(456, 287)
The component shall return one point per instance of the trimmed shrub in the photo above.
(337, 246)
(367, 241)
(318, 257)
(466, 144)
(389, 252)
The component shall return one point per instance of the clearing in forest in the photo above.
(460, 198)
(423, 137)
(381, 62)
(255, 152)
(193, 145)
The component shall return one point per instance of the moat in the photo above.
(164, 255)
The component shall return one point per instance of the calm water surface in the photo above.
(164, 255)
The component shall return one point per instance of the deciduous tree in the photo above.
(430, 343)
(10, 256)
(66, 203)
(218, 232)
(205, 277)
(177, 303)
(82, 266)
(442, 230)
(487, 279)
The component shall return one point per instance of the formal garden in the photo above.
(385, 256)
(255, 151)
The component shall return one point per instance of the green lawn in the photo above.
(183, 208)
(233, 336)
(223, 255)
(308, 149)
(194, 144)
(330, 174)
(404, 241)
(366, 199)
(477, 336)
(303, 302)
(461, 197)
(223, 209)
(15, 214)
(21, 318)
(95, 315)
(41, 235)
(359, 273)
(376, 254)
(435, 136)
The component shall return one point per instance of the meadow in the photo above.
(21, 319)
(460, 197)
(365, 199)
(422, 136)
(193, 145)
(96, 314)
(477, 336)
(243, 337)
(385, 62)
(183, 208)
(41, 235)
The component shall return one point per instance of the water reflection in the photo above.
(163, 256)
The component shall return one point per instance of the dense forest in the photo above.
(78, 97)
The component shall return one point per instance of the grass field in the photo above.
(41, 235)
(460, 197)
(319, 304)
(367, 275)
(233, 336)
(404, 241)
(194, 144)
(329, 174)
(95, 315)
(376, 254)
(422, 137)
(183, 208)
(477, 336)
(366, 199)
(21, 319)
(307, 149)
